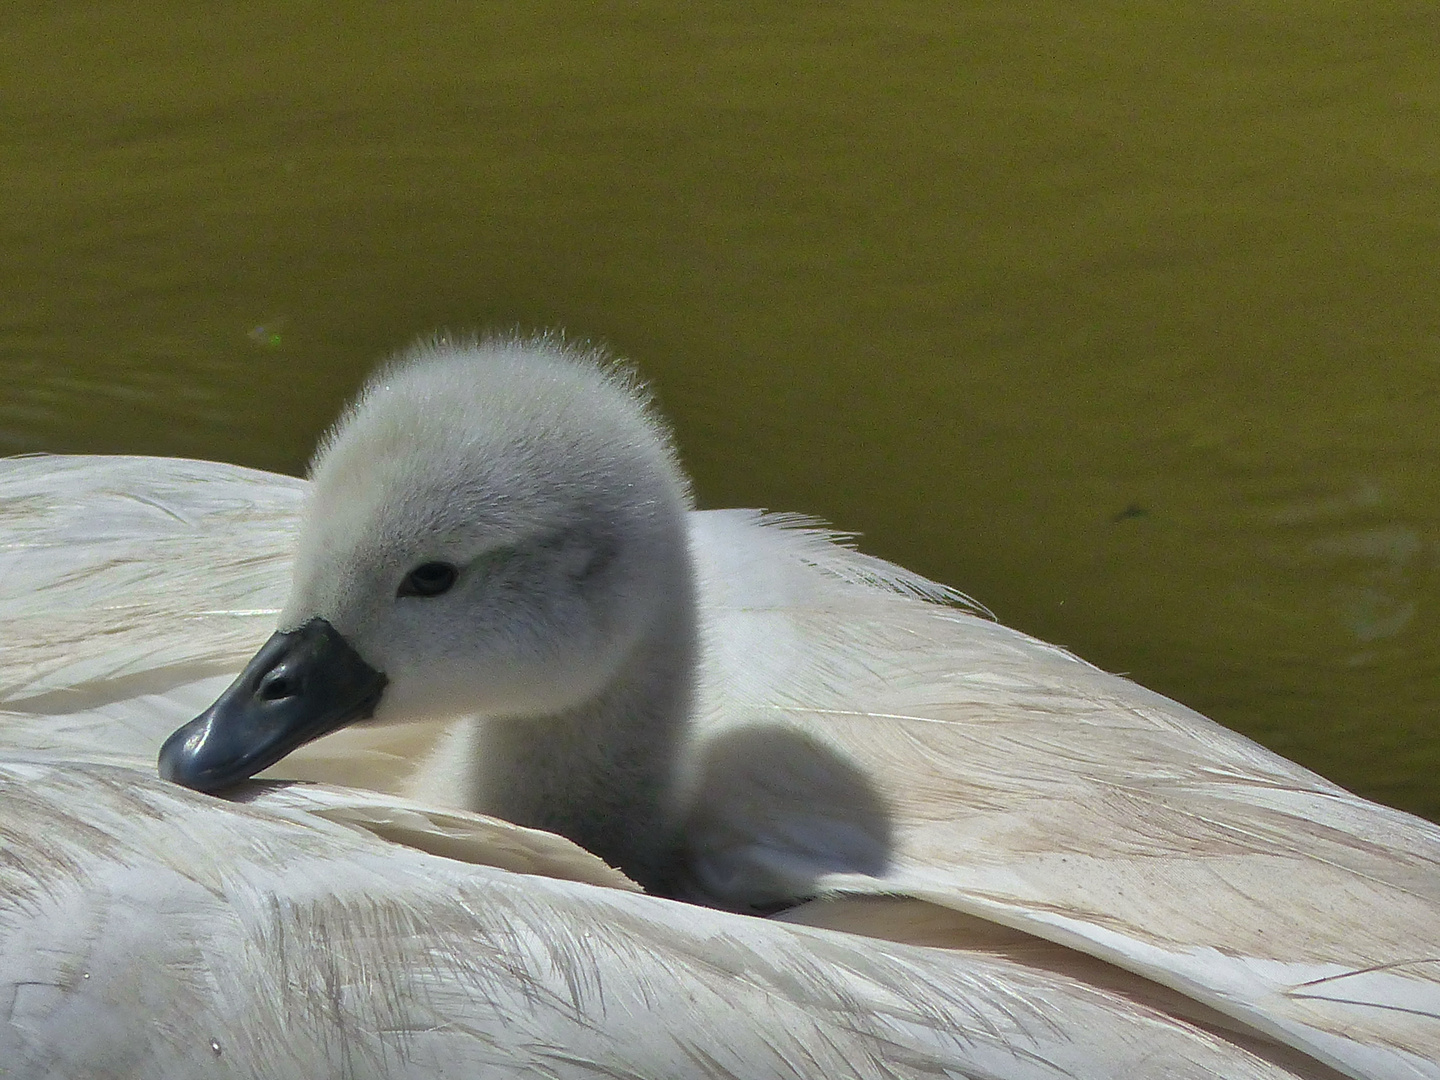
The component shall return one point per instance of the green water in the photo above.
(1122, 317)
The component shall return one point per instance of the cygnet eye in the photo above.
(428, 579)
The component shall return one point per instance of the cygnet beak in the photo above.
(301, 684)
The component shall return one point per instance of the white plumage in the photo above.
(853, 732)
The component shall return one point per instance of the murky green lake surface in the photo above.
(1121, 317)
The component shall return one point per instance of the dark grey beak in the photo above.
(301, 684)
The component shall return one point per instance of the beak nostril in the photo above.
(276, 687)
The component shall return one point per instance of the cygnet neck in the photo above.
(603, 773)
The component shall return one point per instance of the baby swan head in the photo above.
(495, 529)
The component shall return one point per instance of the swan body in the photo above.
(823, 724)
(152, 932)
